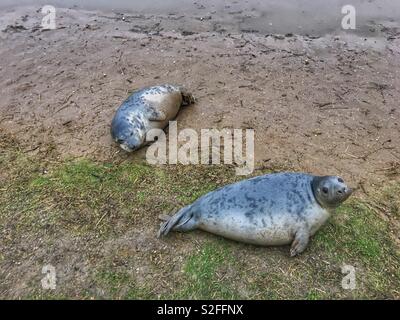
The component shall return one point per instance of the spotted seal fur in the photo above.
(146, 109)
(273, 209)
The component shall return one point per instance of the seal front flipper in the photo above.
(183, 220)
(300, 242)
(156, 115)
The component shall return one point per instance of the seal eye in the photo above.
(325, 190)
(340, 180)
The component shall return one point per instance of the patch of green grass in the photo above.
(93, 202)
(194, 192)
(313, 295)
(81, 192)
(83, 176)
(355, 231)
(266, 285)
(391, 197)
(118, 284)
(204, 273)
(357, 236)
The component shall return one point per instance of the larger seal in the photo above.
(146, 109)
(273, 209)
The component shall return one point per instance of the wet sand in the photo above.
(318, 104)
(304, 17)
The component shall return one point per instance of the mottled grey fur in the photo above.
(273, 209)
(146, 109)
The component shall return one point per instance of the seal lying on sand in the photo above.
(149, 108)
(273, 209)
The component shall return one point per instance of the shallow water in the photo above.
(314, 17)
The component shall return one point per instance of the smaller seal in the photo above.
(146, 109)
(274, 209)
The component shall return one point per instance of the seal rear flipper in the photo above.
(187, 97)
(183, 220)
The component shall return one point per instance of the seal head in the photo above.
(127, 138)
(330, 191)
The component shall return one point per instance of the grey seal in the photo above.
(146, 109)
(273, 209)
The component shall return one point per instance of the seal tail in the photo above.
(183, 220)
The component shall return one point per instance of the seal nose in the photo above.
(344, 190)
